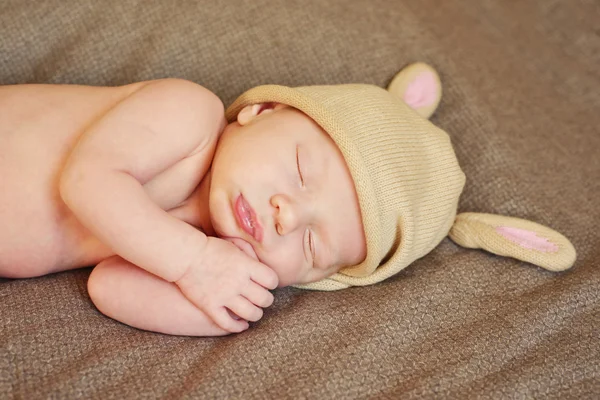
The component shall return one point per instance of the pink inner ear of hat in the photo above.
(527, 239)
(422, 91)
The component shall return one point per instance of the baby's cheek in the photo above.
(288, 265)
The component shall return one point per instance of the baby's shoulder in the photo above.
(178, 105)
(187, 94)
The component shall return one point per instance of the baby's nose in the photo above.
(288, 214)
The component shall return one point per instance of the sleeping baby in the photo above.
(192, 214)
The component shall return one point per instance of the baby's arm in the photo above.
(159, 125)
(143, 135)
(137, 298)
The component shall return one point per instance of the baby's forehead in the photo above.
(288, 126)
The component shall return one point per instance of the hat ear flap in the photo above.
(514, 237)
(419, 86)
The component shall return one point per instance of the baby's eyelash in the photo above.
(309, 242)
(298, 165)
(311, 245)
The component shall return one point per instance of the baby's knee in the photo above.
(100, 281)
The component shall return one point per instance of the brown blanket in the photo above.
(521, 103)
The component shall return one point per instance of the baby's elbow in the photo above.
(69, 185)
(65, 186)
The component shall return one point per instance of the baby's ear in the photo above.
(418, 85)
(248, 113)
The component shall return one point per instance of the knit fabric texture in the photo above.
(404, 168)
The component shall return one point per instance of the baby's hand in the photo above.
(227, 278)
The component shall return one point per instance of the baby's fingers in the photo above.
(258, 295)
(225, 321)
(245, 309)
(264, 276)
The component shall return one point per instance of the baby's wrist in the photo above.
(198, 245)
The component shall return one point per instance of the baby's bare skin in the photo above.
(39, 126)
(121, 177)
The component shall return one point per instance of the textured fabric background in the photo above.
(521, 102)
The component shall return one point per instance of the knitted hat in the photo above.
(406, 176)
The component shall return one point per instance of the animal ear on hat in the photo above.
(419, 86)
(514, 237)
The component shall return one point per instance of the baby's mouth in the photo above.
(246, 218)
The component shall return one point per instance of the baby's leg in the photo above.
(140, 299)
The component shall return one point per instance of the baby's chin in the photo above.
(243, 246)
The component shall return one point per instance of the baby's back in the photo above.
(39, 125)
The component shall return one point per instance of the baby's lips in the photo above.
(243, 246)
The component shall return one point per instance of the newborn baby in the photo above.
(192, 214)
(152, 172)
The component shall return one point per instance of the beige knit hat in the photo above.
(406, 175)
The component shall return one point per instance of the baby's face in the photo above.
(281, 191)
